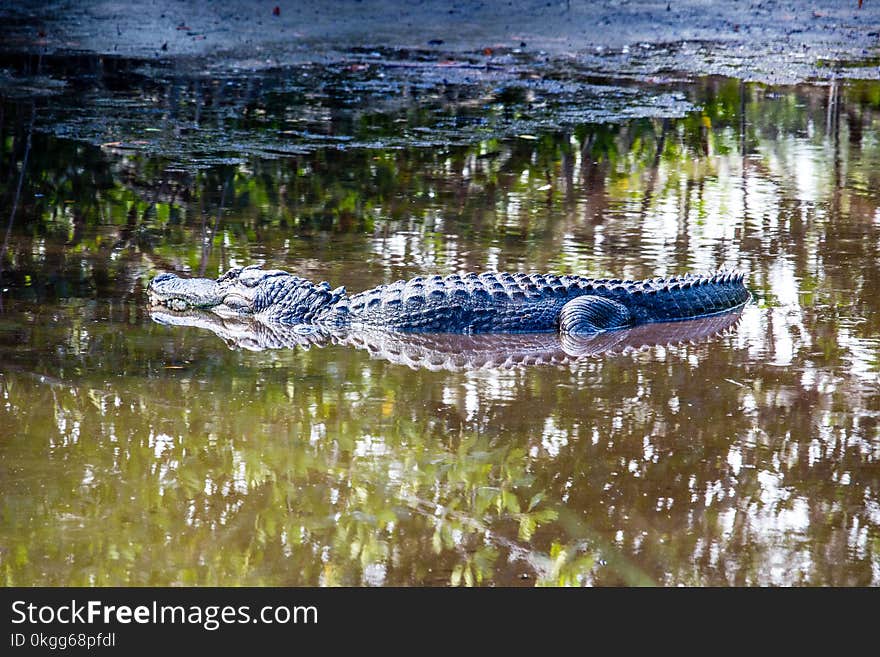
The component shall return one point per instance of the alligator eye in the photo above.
(230, 273)
(250, 277)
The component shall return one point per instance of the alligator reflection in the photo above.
(453, 352)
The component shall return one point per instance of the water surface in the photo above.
(137, 453)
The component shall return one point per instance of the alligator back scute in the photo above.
(469, 303)
(504, 302)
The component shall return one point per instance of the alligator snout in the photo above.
(171, 291)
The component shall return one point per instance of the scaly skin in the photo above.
(473, 303)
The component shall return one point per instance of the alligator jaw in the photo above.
(170, 291)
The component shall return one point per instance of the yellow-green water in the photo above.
(133, 453)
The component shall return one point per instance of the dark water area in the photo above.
(139, 453)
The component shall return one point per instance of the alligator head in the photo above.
(247, 291)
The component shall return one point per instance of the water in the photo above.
(136, 453)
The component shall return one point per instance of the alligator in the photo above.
(452, 351)
(470, 303)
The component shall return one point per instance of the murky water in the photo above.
(134, 452)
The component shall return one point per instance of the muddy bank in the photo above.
(759, 40)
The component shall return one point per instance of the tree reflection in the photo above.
(139, 454)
